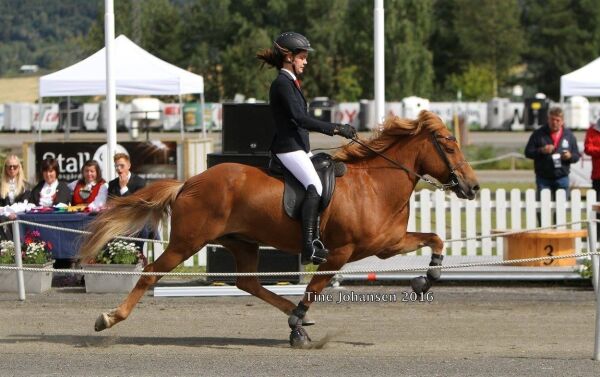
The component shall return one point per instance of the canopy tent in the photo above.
(137, 72)
(583, 82)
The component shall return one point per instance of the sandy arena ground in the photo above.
(533, 330)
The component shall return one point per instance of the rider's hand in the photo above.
(345, 130)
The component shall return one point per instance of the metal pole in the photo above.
(596, 262)
(40, 109)
(202, 124)
(596, 273)
(379, 62)
(111, 96)
(591, 224)
(18, 260)
(67, 133)
(181, 119)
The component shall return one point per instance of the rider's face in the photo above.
(300, 61)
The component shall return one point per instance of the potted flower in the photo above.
(34, 253)
(118, 255)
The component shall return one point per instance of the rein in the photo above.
(440, 186)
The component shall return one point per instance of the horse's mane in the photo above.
(393, 127)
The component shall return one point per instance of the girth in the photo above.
(293, 193)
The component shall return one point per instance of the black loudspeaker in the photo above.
(257, 160)
(248, 128)
(219, 259)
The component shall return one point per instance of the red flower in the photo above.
(49, 244)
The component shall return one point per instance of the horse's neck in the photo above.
(390, 182)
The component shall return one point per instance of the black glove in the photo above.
(345, 130)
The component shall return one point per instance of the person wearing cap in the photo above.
(289, 55)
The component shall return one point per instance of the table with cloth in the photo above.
(65, 244)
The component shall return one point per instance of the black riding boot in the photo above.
(312, 247)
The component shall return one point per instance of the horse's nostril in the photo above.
(475, 188)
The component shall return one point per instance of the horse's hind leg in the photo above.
(174, 255)
(299, 337)
(246, 259)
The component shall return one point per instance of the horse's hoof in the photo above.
(306, 321)
(420, 284)
(299, 338)
(101, 322)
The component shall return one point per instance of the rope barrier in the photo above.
(474, 238)
(499, 158)
(299, 273)
(304, 273)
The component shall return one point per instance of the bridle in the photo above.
(438, 147)
(440, 186)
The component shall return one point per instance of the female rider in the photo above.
(292, 123)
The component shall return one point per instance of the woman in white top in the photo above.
(13, 187)
(50, 191)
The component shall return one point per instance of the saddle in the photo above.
(294, 191)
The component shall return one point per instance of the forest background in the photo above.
(433, 48)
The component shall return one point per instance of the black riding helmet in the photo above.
(292, 42)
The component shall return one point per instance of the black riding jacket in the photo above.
(292, 121)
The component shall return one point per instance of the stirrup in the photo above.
(318, 255)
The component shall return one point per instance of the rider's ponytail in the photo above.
(270, 57)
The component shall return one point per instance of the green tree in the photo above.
(408, 61)
(475, 83)
(42, 33)
(489, 33)
(448, 57)
(563, 35)
(161, 30)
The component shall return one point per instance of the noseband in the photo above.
(440, 186)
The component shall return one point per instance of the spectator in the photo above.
(13, 189)
(553, 149)
(50, 191)
(90, 190)
(592, 148)
(126, 183)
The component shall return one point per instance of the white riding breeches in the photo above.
(300, 165)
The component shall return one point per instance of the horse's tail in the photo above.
(128, 215)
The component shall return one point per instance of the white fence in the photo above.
(453, 218)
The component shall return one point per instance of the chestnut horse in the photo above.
(240, 207)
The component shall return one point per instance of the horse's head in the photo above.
(420, 146)
(443, 159)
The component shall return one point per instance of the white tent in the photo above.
(134, 71)
(583, 82)
(137, 72)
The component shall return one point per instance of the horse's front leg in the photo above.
(337, 258)
(413, 241)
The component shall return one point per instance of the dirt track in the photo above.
(466, 331)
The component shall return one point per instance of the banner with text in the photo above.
(152, 160)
